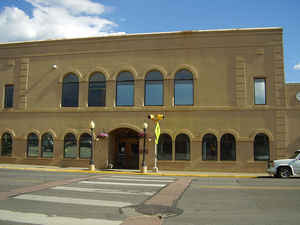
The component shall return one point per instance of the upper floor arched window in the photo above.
(70, 146)
(97, 90)
(182, 147)
(125, 89)
(32, 145)
(164, 147)
(6, 144)
(261, 147)
(70, 91)
(228, 151)
(154, 88)
(47, 145)
(209, 147)
(184, 88)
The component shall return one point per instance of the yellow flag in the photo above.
(157, 132)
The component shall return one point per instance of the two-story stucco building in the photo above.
(223, 94)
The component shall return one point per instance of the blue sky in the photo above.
(22, 20)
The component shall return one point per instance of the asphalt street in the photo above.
(39, 197)
(218, 201)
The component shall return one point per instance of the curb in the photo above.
(131, 173)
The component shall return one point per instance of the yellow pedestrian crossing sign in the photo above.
(157, 132)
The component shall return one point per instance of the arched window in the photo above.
(125, 89)
(154, 88)
(164, 147)
(85, 144)
(47, 145)
(6, 144)
(209, 147)
(228, 151)
(70, 146)
(70, 91)
(182, 147)
(261, 147)
(32, 145)
(97, 90)
(184, 88)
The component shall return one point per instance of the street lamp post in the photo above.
(144, 167)
(92, 163)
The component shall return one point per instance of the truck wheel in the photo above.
(284, 172)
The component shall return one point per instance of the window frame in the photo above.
(148, 81)
(97, 82)
(215, 158)
(222, 150)
(42, 146)
(174, 90)
(255, 154)
(76, 148)
(188, 153)
(10, 153)
(38, 146)
(9, 97)
(63, 103)
(255, 91)
(123, 81)
(161, 144)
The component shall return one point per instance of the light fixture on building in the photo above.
(54, 66)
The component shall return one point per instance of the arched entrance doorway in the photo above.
(124, 149)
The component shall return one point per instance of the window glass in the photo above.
(182, 147)
(32, 145)
(9, 96)
(85, 144)
(209, 147)
(47, 145)
(125, 89)
(228, 151)
(70, 146)
(260, 91)
(164, 147)
(261, 147)
(70, 91)
(154, 88)
(6, 144)
(184, 88)
(97, 90)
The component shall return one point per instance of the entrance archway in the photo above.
(124, 149)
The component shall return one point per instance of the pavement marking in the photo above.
(39, 218)
(128, 179)
(76, 201)
(106, 191)
(248, 187)
(145, 177)
(123, 184)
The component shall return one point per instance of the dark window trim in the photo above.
(175, 88)
(163, 90)
(62, 91)
(27, 150)
(64, 147)
(6, 106)
(260, 78)
(123, 81)
(97, 82)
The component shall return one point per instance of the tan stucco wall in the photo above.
(223, 63)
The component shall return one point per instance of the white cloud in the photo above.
(53, 19)
(297, 66)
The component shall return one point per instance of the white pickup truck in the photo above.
(285, 168)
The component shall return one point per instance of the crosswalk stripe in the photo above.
(106, 191)
(128, 179)
(77, 201)
(123, 184)
(39, 218)
(143, 177)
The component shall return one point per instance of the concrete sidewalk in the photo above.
(132, 172)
